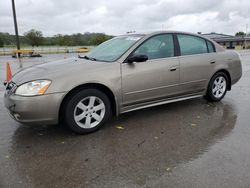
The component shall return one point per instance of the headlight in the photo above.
(37, 87)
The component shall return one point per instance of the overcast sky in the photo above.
(119, 16)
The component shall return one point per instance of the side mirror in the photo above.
(137, 58)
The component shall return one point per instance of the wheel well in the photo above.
(100, 87)
(229, 78)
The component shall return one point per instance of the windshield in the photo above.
(114, 48)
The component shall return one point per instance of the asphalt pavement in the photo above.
(185, 144)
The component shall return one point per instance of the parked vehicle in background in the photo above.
(82, 50)
(126, 73)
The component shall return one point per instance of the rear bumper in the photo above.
(237, 75)
(236, 70)
(36, 110)
(235, 80)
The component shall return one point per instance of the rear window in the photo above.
(190, 45)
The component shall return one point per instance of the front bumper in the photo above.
(43, 109)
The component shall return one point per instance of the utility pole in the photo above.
(15, 24)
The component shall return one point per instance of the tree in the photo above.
(35, 37)
(99, 38)
(240, 33)
(1, 43)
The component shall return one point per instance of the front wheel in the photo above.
(217, 87)
(86, 111)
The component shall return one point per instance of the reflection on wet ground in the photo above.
(186, 144)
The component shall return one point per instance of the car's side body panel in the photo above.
(73, 74)
(149, 80)
(195, 71)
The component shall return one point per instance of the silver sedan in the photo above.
(126, 73)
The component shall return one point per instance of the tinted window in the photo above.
(160, 46)
(210, 47)
(191, 44)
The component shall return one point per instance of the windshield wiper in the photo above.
(86, 57)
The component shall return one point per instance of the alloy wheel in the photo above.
(89, 112)
(219, 87)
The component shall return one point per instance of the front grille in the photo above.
(11, 87)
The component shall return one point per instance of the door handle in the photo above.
(212, 62)
(173, 68)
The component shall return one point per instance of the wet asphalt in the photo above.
(186, 144)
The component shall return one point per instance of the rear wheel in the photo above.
(217, 87)
(86, 111)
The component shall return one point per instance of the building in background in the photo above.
(230, 41)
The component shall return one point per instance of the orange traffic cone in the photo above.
(8, 72)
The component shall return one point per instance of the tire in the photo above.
(217, 87)
(86, 111)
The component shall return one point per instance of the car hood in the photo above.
(61, 68)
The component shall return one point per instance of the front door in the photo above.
(155, 79)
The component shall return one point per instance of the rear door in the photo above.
(197, 61)
(154, 79)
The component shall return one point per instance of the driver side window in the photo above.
(160, 46)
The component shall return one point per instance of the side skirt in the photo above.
(156, 103)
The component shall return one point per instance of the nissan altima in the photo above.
(123, 74)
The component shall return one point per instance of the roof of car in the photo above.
(172, 31)
(162, 32)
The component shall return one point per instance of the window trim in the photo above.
(179, 49)
(174, 43)
(214, 50)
